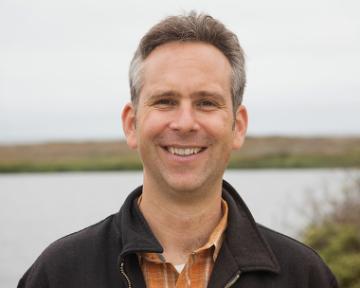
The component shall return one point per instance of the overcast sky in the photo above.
(64, 64)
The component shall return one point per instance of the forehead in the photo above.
(188, 50)
(187, 65)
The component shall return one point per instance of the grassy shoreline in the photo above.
(257, 153)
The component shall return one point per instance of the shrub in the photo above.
(335, 234)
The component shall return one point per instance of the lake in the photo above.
(36, 209)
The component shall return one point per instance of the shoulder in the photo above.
(73, 255)
(280, 243)
(297, 259)
(82, 241)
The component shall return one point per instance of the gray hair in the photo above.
(191, 28)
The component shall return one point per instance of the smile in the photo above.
(186, 151)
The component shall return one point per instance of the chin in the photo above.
(184, 188)
(186, 185)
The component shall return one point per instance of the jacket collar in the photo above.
(134, 232)
(243, 240)
(247, 245)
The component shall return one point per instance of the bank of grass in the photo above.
(258, 152)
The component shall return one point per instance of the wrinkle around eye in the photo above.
(209, 105)
(164, 104)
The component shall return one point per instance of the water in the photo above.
(36, 209)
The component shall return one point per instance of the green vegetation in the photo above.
(335, 234)
(258, 152)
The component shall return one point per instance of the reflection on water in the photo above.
(36, 209)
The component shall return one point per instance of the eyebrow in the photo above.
(162, 94)
(212, 94)
(174, 94)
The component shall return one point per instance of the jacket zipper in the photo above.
(228, 285)
(233, 280)
(122, 271)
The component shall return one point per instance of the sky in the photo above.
(64, 64)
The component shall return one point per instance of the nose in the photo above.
(185, 119)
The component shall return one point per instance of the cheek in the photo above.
(219, 125)
(151, 124)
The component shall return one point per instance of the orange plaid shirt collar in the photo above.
(197, 270)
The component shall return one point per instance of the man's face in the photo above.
(184, 126)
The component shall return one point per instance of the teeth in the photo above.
(184, 151)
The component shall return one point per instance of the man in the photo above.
(185, 227)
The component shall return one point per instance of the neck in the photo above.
(181, 226)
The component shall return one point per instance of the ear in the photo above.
(240, 126)
(128, 118)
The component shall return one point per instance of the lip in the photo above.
(183, 158)
(184, 151)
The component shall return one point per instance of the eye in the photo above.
(165, 102)
(207, 104)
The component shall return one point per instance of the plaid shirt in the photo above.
(196, 273)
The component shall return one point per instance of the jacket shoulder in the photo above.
(281, 243)
(295, 257)
(77, 243)
(73, 254)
